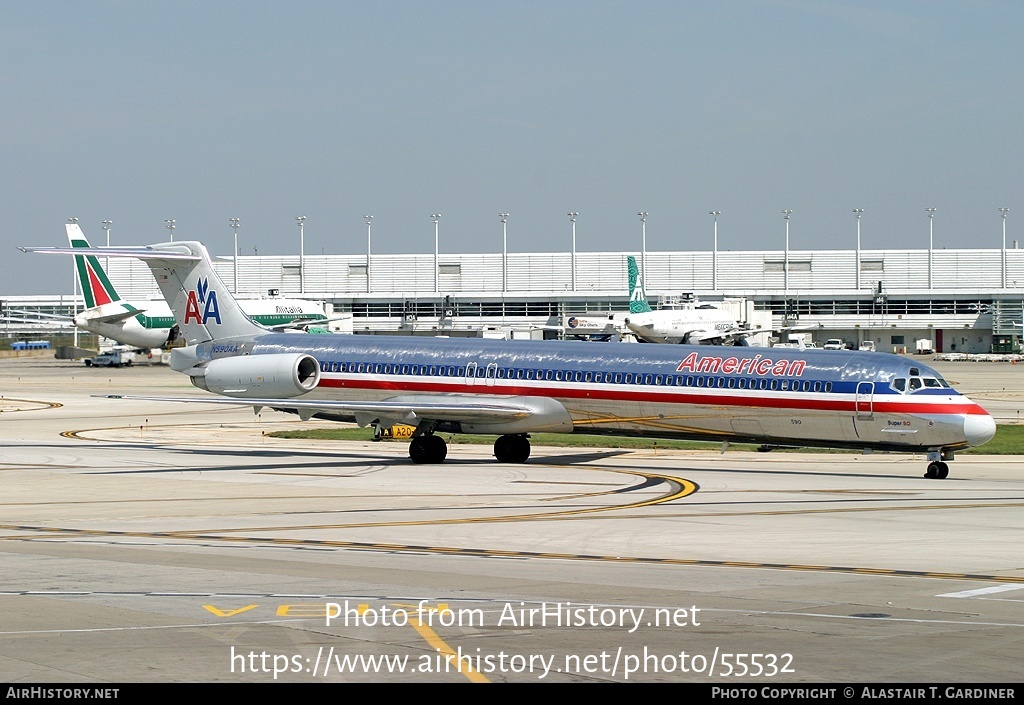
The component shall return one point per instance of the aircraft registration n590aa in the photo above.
(769, 396)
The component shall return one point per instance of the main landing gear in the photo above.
(512, 449)
(430, 448)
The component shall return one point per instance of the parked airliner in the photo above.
(695, 325)
(692, 325)
(773, 397)
(151, 324)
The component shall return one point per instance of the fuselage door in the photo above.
(865, 399)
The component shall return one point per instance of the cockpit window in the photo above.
(915, 384)
(899, 384)
(931, 382)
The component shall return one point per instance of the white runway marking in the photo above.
(982, 591)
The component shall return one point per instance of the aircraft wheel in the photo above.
(512, 449)
(438, 449)
(419, 449)
(943, 471)
(937, 470)
(428, 449)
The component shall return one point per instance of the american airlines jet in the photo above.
(773, 397)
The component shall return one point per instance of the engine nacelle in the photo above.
(278, 376)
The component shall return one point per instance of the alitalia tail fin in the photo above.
(637, 295)
(96, 287)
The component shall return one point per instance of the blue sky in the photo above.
(139, 112)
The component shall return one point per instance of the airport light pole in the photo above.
(234, 254)
(714, 252)
(643, 245)
(504, 251)
(108, 223)
(170, 226)
(931, 242)
(369, 241)
(74, 290)
(436, 217)
(301, 221)
(857, 213)
(785, 261)
(1003, 212)
(572, 217)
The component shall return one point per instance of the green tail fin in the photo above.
(637, 295)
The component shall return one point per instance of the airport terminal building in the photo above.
(962, 300)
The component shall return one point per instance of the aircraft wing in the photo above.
(402, 409)
(729, 336)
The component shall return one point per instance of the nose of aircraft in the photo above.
(979, 428)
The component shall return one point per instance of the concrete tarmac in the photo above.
(161, 542)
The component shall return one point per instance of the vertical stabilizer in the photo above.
(96, 287)
(202, 305)
(637, 295)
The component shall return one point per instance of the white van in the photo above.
(867, 346)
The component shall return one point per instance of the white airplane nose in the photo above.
(979, 428)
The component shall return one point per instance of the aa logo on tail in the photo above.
(202, 298)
